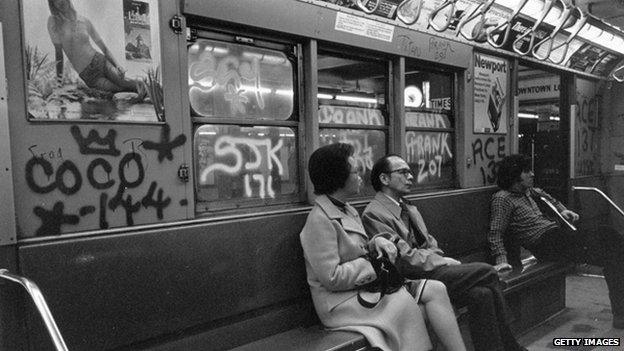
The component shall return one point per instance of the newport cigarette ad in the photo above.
(490, 94)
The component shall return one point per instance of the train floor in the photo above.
(587, 315)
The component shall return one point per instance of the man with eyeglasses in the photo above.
(473, 284)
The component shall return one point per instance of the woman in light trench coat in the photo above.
(334, 245)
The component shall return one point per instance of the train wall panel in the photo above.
(321, 22)
(111, 291)
(459, 220)
(115, 290)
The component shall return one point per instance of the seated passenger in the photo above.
(473, 284)
(335, 246)
(515, 213)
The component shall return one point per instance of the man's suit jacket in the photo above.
(382, 217)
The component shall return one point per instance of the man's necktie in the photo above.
(413, 229)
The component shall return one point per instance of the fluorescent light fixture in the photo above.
(324, 96)
(208, 133)
(194, 49)
(254, 89)
(590, 32)
(610, 39)
(221, 51)
(532, 8)
(266, 58)
(554, 118)
(356, 99)
(426, 88)
(527, 115)
(284, 92)
(413, 96)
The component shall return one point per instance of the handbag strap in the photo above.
(384, 278)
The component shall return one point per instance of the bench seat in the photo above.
(534, 291)
(313, 338)
(516, 283)
(530, 271)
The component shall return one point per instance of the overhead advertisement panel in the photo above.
(592, 59)
(549, 33)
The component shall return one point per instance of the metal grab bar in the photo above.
(566, 43)
(479, 11)
(409, 11)
(451, 12)
(548, 4)
(42, 306)
(364, 5)
(573, 33)
(603, 195)
(505, 24)
(614, 73)
(566, 12)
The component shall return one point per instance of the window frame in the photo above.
(452, 115)
(386, 109)
(293, 51)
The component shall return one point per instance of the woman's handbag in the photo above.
(388, 281)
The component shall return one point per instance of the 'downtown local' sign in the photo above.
(545, 88)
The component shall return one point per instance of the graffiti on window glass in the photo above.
(235, 162)
(231, 80)
(427, 120)
(350, 115)
(369, 146)
(430, 156)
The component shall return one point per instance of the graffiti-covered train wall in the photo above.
(89, 178)
(96, 149)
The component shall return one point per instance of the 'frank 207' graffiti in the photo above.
(430, 153)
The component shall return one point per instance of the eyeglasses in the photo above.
(403, 171)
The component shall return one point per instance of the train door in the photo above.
(542, 127)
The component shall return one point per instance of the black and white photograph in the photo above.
(312, 175)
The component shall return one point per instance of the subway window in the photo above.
(245, 121)
(352, 95)
(429, 126)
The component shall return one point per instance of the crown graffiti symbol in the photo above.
(94, 143)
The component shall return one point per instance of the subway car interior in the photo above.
(154, 161)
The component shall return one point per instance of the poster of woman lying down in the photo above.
(78, 67)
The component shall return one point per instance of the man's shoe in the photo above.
(618, 322)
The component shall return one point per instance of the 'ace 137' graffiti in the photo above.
(485, 154)
(115, 174)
